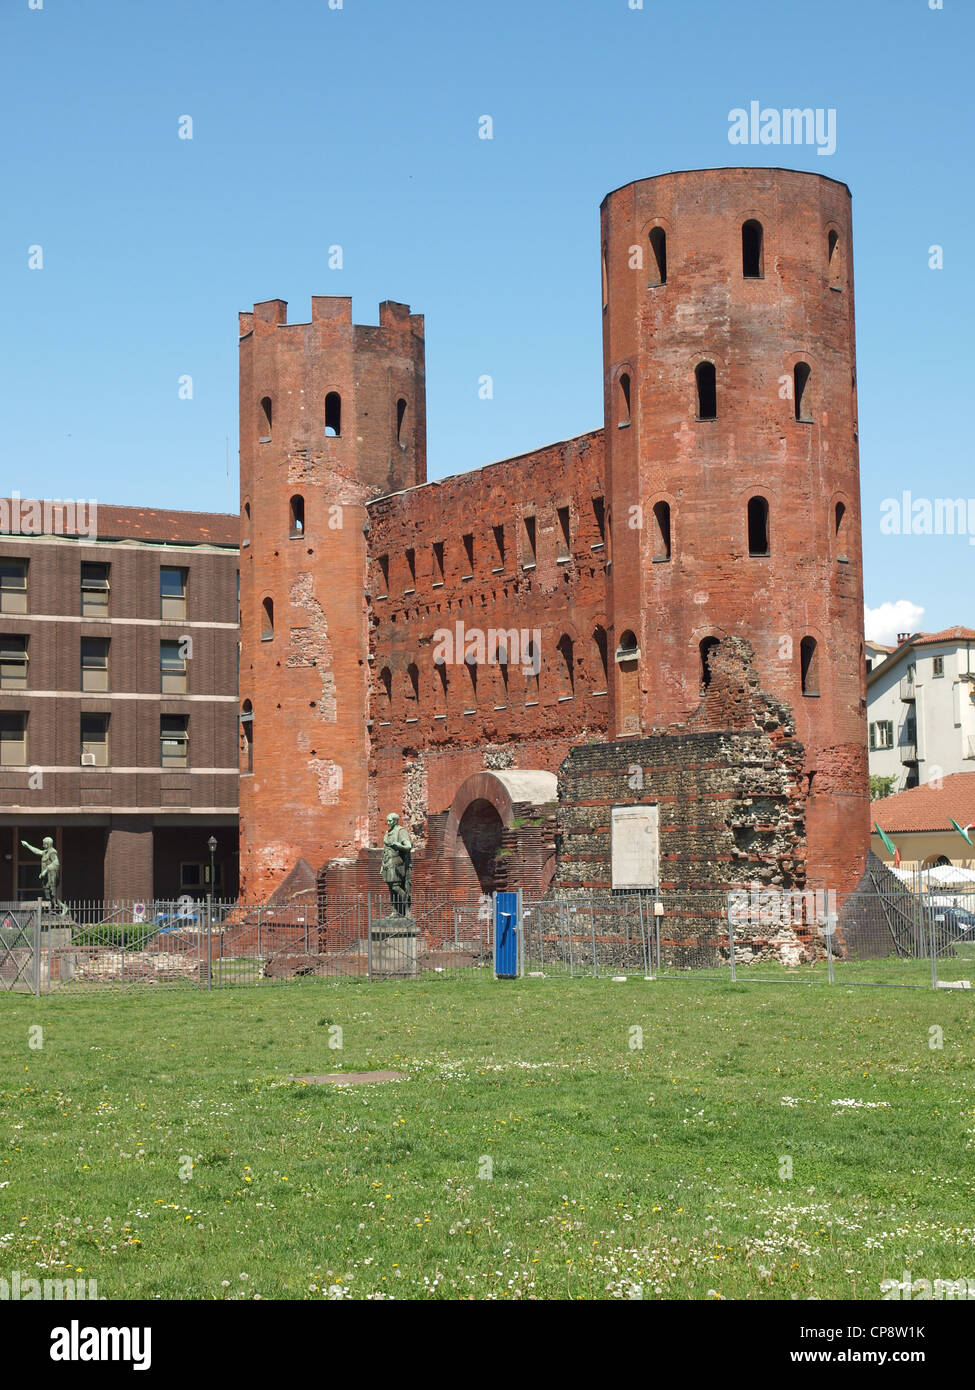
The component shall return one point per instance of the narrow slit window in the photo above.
(297, 511)
(757, 526)
(707, 655)
(599, 514)
(624, 416)
(411, 567)
(661, 531)
(246, 737)
(267, 612)
(605, 279)
(385, 692)
(530, 556)
(333, 415)
(499, 544)
(469, 551)
(264, 419)
(809, 665)
(565, 542)
(566, 650)
(752, 239)
(839, 517)
(802, 392)
(601, 662)
(413, 687)
(707, 391)
(834, 257)
(438, 562)
(383, 576)
(658, 256)
(401, 422)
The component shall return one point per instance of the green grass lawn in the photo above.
(155, 1144)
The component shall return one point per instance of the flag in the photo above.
(963, 833)
(888, 842)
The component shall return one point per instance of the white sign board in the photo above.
(635, 846)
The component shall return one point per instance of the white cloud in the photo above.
(884, 623)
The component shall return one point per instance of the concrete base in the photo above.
(393, 947)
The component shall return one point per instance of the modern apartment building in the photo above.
(118, 699)
(921, 708)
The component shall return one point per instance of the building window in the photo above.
(13, 740)
(94, 590)
(333, 415)
(296, 508)
(400, 422)
(566, 668)
(661, 531)
(13, 586)
(752, 237)
(264, 420)
(758, 526)
(834, 258)
(440, 688)
(530, 557)
(839, 516)
(246, 738)
(802, 392)
(499, 545)
(599, 512)
(565, 539)
(438, 562)
(601, 662)
(707, 391)
(385, 692)
(469, 552)
(383, 565)
(413, 683)
(809, 665)
(13, 662)
(605, 279)
(706, 650)
(94, 663)
(624, 405)
(938, 663)
(882, 734)
(94, 740)
(172, 668)
(172, 591)
(174, 740)
(411, 566)
(658, 256)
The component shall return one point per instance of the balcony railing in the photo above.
(908, 752)
(907, 688)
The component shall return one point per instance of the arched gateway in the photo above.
(483, 807)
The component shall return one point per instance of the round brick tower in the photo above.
(331, 415)
(732, 465)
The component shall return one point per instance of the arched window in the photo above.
(400, 421)
(333, 415)
(661, 531)
(802, 393)
(247, 520)
(264, 420)
(297, 509)
(757, 526)
(566, 650)
(600, 660)
(624, 418)
(628, 683)
(385, 692)
(706, 649)
(809, 665)
(605, 279)
(707, 391)
(267, 632)
(834, 258)
(246, 737)
(752, 237)
(658, 256)
(839, 529)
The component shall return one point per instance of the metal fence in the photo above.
(899, 938)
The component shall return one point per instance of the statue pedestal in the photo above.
(393, 947)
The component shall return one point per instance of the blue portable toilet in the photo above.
(507, 930)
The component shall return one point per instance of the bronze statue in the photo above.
(396, 869)
(50, 874)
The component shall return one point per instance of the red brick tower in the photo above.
(331, 414)
(732, 465)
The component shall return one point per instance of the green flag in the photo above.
(886, 838)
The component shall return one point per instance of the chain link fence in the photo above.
(891, 938)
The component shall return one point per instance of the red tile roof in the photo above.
(154, 524)
(925, 808)
(950, 634)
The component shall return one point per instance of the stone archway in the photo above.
(483, 808)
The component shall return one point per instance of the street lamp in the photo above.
(212, 847)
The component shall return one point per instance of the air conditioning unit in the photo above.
(87, 760)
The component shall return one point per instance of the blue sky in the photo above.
(358, 127)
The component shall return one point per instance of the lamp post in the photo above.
(212, 847)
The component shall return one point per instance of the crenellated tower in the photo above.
(332, 414)
(732, 465)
